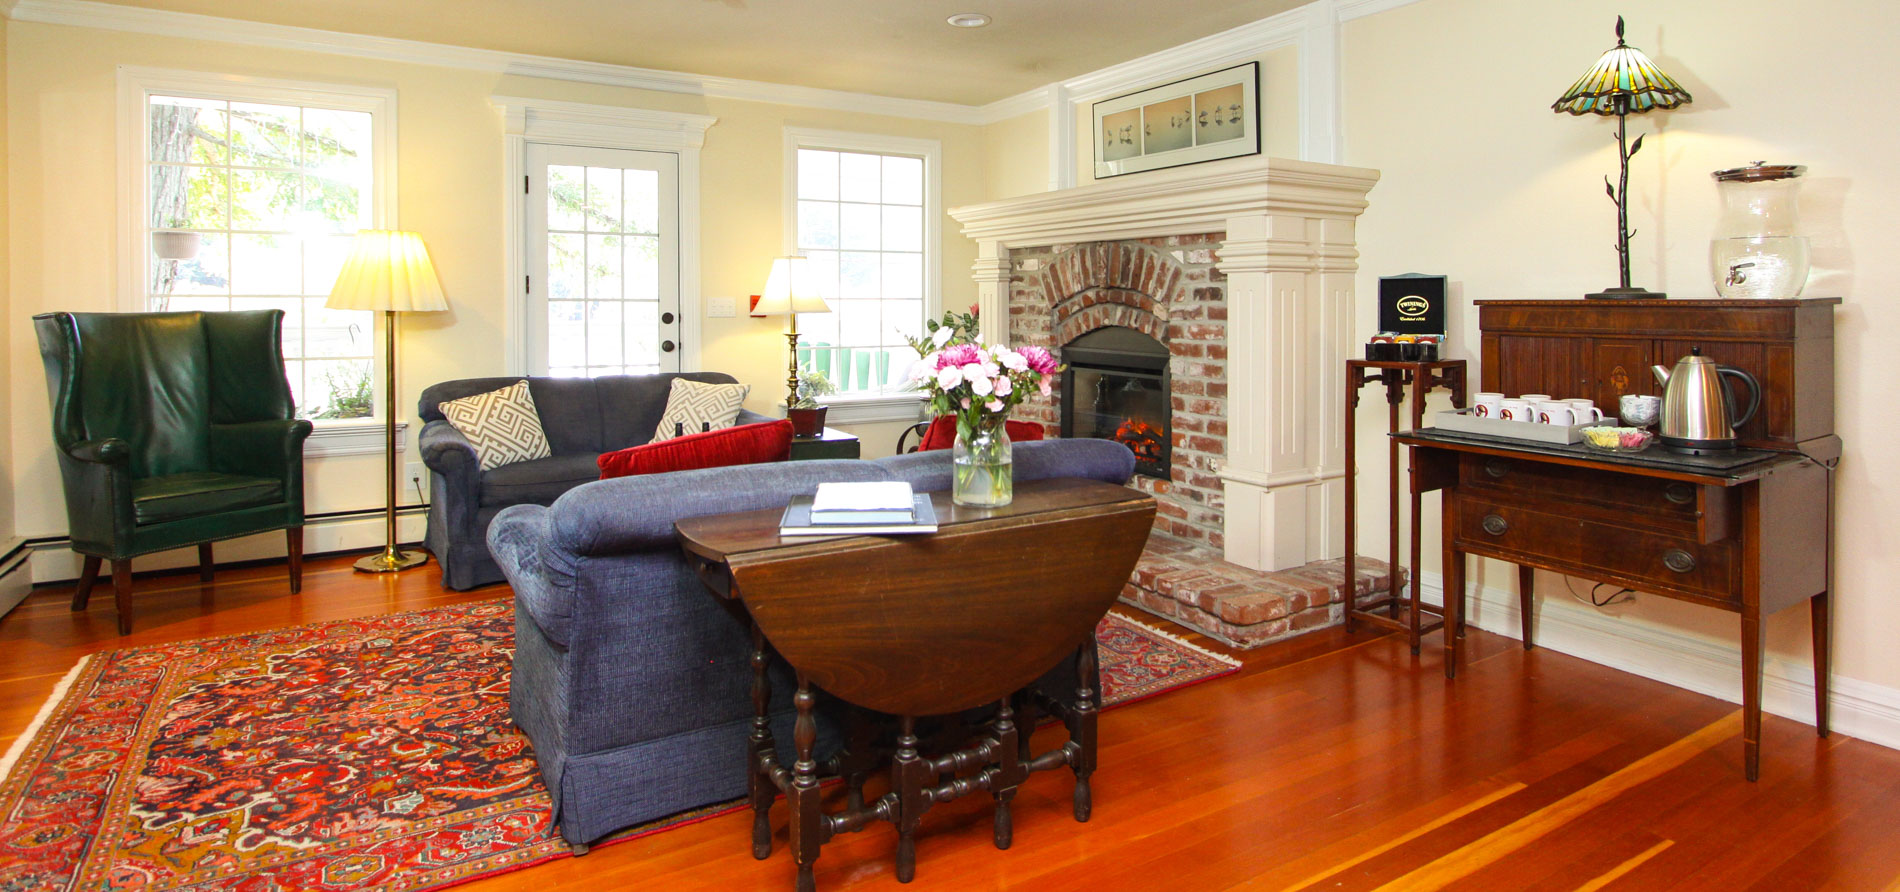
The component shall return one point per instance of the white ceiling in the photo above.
(897, 48)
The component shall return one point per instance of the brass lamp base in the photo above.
(390, 560)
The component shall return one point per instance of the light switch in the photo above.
(720, 308)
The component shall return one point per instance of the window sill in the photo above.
(356, 436)
(869, 409)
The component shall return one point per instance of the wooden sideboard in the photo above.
(1602, 349)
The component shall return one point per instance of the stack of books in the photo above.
(856, 509)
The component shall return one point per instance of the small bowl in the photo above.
(1605, 438)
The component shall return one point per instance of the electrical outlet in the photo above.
(415, 479)
(721, 308)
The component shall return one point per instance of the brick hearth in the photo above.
(1188, 582)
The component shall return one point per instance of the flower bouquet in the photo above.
(978, 384)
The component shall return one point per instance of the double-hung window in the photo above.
(864, 210)
(244, 194)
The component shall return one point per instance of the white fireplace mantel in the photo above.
(1290, 258)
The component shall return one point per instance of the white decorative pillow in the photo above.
(502, 425)
(692, 407)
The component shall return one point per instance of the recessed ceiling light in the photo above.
(968, 20)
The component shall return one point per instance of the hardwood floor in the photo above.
(1328, 762)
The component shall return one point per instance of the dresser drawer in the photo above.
(1492, 524)
(1604, 495)
(1681, 564)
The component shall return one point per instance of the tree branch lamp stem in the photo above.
(1622, 195)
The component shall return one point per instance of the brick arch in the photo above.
(1085, 319)
(1113, 266)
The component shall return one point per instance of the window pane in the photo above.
(818, 329)
(903, 276)
(567, 277)
(186, 130)
(603, 267)
(208, 273)
(858, 226)
(903, 319)
(643, 332)
(332, 205)
(643, 201)
(323, 257)
(859, 177)
(603, 333)
(265, 135)
(603, 199)
(336, 144)
(823, 266)
(266, 264)
(567, 332)
(817, 225)
(643, 267)
(566, 196)
(903, 228)
(338, 388)
(330, 332)
(859, 322)
(903, 180)
(265, 200)
(188, 197)
(817, 175)
(858, 275)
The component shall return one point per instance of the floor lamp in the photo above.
(388, 271)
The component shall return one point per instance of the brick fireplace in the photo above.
(1242, 272)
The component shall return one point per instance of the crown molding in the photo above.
(1194, 57)
(165, 23)
(606, 125)
(1347, 10)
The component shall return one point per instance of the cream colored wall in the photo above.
(64, 207)
(1450, 100)
(1279, 113)
(1016, 155)
(6, 309)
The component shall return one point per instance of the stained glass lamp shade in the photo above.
(1622, 82)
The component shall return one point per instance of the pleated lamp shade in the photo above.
(387, 270)
(791, 288)
(1622, 72)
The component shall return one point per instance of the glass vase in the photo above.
(982, 474)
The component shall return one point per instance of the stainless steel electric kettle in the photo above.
(1698, 412)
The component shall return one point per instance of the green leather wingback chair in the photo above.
(173, 429)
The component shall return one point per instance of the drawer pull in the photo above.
(1679, 493)
(1678, 560)
(1495, 468)
(1494, 524)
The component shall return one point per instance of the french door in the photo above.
(603, 261)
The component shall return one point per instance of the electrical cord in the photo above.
(1620, 596)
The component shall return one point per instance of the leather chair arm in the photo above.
(107, 451)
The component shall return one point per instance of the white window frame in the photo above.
(860, 409)
(608, 127)
(136, 85)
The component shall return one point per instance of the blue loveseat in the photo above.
(631, 681)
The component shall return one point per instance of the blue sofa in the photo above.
(583, 417)
(633, 682)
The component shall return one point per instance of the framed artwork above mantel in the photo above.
(1204, 118)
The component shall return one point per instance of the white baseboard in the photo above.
(1860, 709)
(61, 564)
(16, 578)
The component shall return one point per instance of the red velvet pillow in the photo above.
(746, 444)
(942, 433)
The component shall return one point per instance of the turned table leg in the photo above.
(759, 785)
(908, 773)
(1082, 731)
(808, 818)
(1009, 770)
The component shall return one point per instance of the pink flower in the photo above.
(1013, 361)
(959, 355)
(980, 385)
(1044, 386)
(966, 402)
(949, 376)
(1039, 360)
(1002, 386)
(994, 405)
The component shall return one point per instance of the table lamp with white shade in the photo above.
(388, 271)
(790, 289)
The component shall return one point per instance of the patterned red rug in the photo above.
(372, 752)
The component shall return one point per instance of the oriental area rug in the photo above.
(373, 752)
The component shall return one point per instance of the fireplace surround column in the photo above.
(1290, 260)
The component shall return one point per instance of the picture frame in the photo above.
(1202, 118)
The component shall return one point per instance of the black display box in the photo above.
(1413, 303)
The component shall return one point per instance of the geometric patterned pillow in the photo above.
(692, 407)
(502, 425)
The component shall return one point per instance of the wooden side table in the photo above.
(1419, 378)
(921, 626)
(831, 443)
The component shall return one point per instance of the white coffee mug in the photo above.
(1517, 410)
(1486, 405)
(1584, 410)
(1554, 412)
(1534, 398)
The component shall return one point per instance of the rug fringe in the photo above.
(1220, 657)
(46, 712)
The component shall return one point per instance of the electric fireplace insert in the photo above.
(1116, 388)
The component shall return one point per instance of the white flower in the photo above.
(1003, 386)
(921, 369)
(980, 385)
(941, 336)
(994, 405)
(949, 376)
(1013, 361)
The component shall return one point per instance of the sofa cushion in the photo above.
(694, 406)
(537, 482)
(631, 405)
(745, 444)
(178, 496)
(942, 433)
(502, 425)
